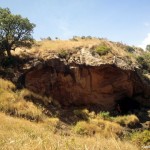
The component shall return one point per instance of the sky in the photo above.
(126, 21)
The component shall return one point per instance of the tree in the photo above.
(15, 31)
(148, 48)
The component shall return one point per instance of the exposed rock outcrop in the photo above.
(84, 79)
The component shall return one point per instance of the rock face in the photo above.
(83, 84)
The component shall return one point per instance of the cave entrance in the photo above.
(127, 105)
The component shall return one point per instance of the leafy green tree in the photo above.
(144, 60)
(148, 48)
(15, 31)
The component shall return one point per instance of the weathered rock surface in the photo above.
(83, 79)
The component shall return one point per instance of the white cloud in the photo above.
(145, 42)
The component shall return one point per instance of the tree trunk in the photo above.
(8, 53)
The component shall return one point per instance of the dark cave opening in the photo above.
(126, 105)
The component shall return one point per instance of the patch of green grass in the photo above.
(102, 50)
(104, 115)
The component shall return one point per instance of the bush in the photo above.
(102, 50)
(130, 49)
(104, 115)
(83, 37)
(63, 54)
(144, 61)
(141, 137)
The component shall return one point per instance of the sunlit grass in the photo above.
(13, 103)
(20, 134)
(92, 131)
(128, 120)
(6, 85)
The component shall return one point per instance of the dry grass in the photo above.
(86, 128)
(13, 102)
(6, 85)
(108, 128)
(29, 95)
(14, 105)
(82, 113)
(20, 134)
(95, 126)
(66, 44)
(45, 48)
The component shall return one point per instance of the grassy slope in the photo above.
(20, 134)
(48, 132)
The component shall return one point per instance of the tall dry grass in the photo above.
(14, 103)
(20, 134)
(45, 48)
(128, 120)
(6, 85)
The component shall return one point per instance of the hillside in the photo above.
(83, 93)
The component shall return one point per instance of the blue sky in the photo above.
(126, 21)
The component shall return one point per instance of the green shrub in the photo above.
(141, 137)
(83, 37)
(104, 115)
(130, 49)
(144, 61)
(102, 50)
(63, 54)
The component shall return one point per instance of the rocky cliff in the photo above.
(84, 78)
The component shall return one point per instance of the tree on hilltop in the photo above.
(15, 31)
(148, 48)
